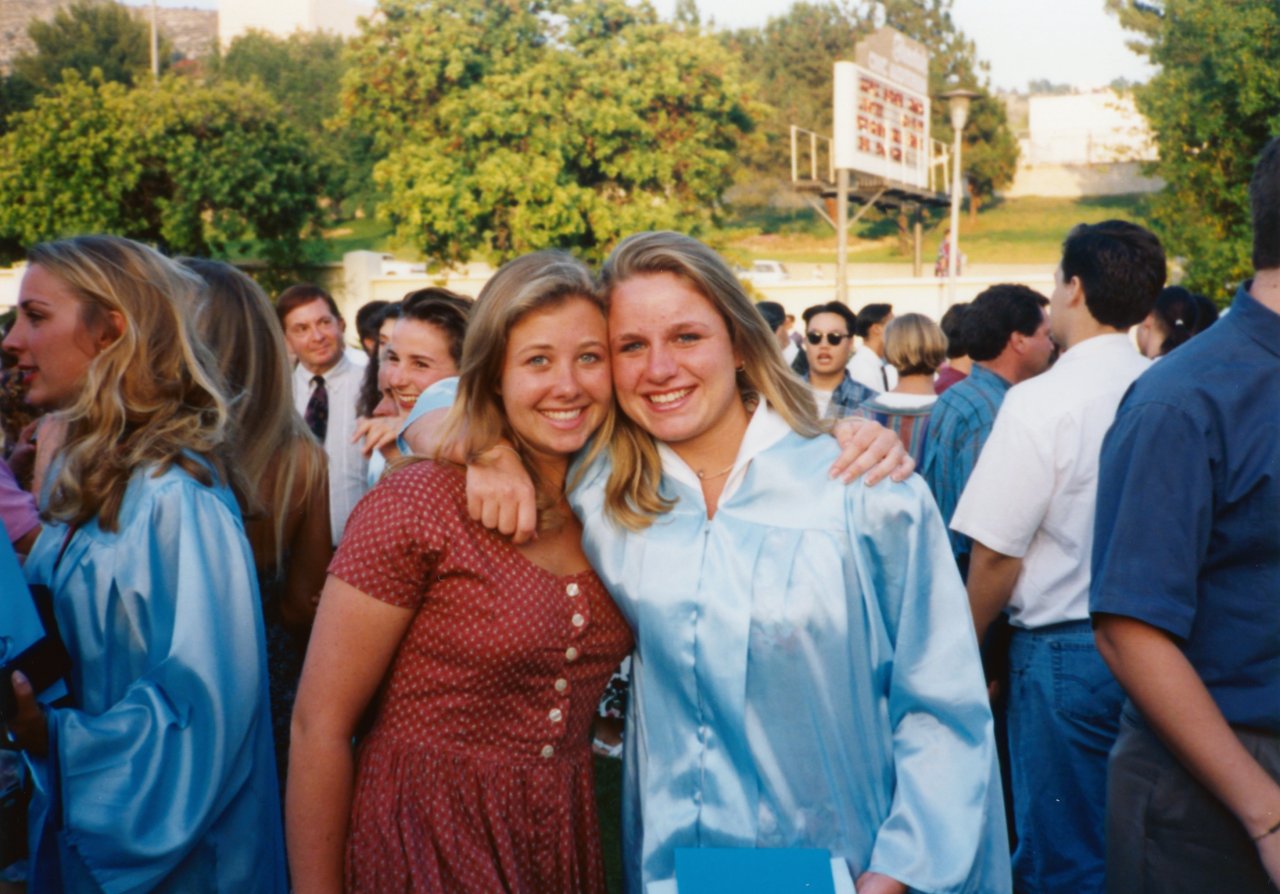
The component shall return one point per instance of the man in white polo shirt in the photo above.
(1029, 509)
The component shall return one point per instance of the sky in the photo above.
(1075, 43)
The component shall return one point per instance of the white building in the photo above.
(283, 17)
(1082, 144)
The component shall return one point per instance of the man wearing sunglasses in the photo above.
(828, 343)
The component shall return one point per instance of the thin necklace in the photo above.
(703, 476)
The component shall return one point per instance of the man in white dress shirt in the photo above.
(867, 366)
(326, 383)
(1029, 508)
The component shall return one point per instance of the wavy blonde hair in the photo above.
(631, 494)
(280, 460)
(478, 419)
(152, 397)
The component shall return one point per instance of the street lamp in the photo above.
(958, 103)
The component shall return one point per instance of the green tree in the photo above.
(194, 170)
(85, 36)
(303, 73)
(1212, 105)
(509, 127)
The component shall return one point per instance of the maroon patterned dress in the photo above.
(476, 775)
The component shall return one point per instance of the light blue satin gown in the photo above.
(805, 674)
(161, 776)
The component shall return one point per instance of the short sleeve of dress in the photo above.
(397, 532)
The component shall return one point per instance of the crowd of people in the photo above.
(342, 618)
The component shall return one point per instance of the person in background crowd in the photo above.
(1173, 320)
(477, 772)
(373, 389)
(159, 775)
(828, 342)
(777, 318)
(868, 366)
(368, 321)
(425, 346)
(1007, 334)
(1186, 570)
(326, 386)
(959, 363)
(286, 500)
(1029, 508)
(914, 346)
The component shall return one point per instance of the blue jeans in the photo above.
(1064, 714)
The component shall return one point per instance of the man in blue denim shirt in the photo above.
(1186, 596)
(1008, 336)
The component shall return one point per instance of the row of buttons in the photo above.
(555, 715)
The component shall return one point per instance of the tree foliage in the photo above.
(303, 73)
(88, 35)
(509, 126)
(194, 170)
(1212, 105)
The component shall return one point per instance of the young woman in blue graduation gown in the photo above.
(159, 775)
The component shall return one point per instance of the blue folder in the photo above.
(716, 870)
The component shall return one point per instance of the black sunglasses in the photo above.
(833, 338)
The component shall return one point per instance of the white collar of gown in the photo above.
(765, 429)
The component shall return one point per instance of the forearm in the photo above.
(1171, 696)
(992, 576)
(317, 809)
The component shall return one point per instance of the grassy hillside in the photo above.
(1010, 231)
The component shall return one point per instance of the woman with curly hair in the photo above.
(158, 773)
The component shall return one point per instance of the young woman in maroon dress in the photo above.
(485, 661)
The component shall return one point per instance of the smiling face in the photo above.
(314, 335)
(417, 356)
(556, 388)
(673, 367)
(53, 346)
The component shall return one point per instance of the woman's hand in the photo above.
(500, 494)
(28, 728)
(868, 447)
(378, 433)
(875, 883)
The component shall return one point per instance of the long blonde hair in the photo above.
(631, 495)
(478, 419)
(152, 397)
(282, 463)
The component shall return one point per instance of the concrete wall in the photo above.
(283, 17)
(1075, 181)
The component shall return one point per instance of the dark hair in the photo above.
(1264, 201)
(833, 307)
(996, 314)
(297, 295)
(774, 314)
(441, 308)
(870, 315)
(953, 329)
(1206, 312)
(1121, 268)
(1179, 313)
(370, 396)
(369, 320)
